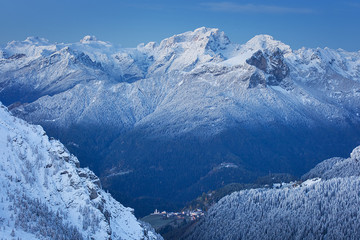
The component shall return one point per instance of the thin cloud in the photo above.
(252, 8)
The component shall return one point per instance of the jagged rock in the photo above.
(278, 66)
(272, 63)
(256, 79)
(258, 60)
(16, 56)
(93, 193)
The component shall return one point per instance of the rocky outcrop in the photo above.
(272, 64)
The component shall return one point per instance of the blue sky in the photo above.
(310, 23)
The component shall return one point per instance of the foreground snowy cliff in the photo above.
(45, 195)
(323, 207)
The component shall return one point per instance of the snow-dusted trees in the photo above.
(42, 189)
(35, 217)
(315, 209)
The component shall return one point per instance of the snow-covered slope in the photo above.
(337, 167)
(45, 195)
(314, 209)
(260, 105)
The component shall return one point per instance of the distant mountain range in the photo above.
(45, 195)
(161, 123)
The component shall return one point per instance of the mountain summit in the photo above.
(263, 41)
(88, 39)
(207, 38)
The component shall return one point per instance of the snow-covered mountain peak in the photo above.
(188, 50)
(204, 30)
(204, 38)
(147, 48)
(264, 46)
(31, 47)
(37, 41)
(88, 38)
(92, 42)
(29, 42)
(266, 42)
(215, 38)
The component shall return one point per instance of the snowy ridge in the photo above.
(315, 209)
(337, 167)
(45, 195)
(154, 79)
(188, 50)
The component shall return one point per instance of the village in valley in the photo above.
(164, 222)
(188, 215)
